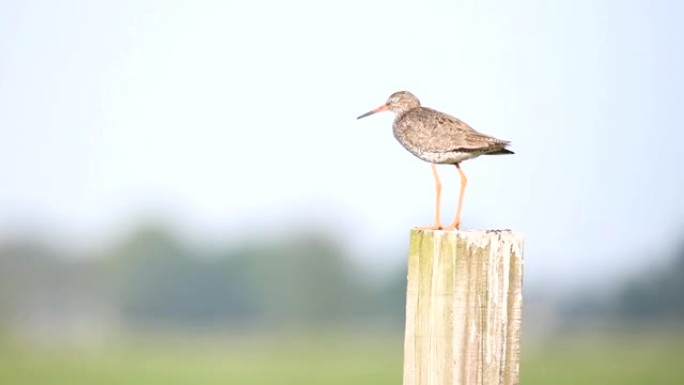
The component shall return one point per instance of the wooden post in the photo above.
(463, 308)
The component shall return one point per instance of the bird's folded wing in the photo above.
(478, 141)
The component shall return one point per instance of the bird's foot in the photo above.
(454, 226)
(436, 226)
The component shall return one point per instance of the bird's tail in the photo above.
(502, 151)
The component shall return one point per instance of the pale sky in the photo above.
(233, 118)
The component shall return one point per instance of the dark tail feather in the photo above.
(502, 151)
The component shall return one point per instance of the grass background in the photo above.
(335, 360)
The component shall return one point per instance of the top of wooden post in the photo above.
(472, 238)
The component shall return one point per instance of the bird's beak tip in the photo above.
(384, 107)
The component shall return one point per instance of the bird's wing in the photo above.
(478, 141)
(436, 131)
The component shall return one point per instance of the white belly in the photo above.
(446, 157)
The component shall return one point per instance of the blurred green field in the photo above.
(337, 360)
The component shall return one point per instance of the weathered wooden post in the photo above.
(463, 308)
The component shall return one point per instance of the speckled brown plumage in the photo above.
(438, 138)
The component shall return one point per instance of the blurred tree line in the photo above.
(154, 280)
(656, 294)
(653, 295)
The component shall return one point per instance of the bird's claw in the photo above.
(436, 226)
(453, 226)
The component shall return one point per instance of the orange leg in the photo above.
(464, 181)
(438, 187)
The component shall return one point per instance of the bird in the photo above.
(438, 138)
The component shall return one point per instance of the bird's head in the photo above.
(399, 103)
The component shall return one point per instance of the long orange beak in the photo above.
(384, 107)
